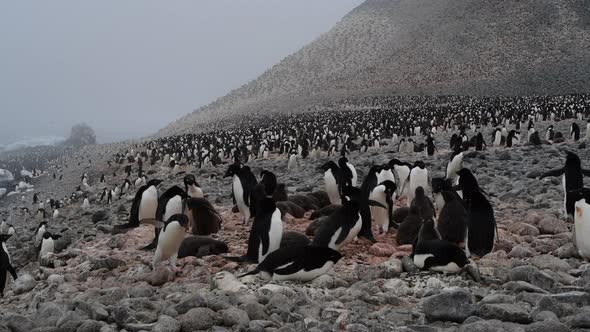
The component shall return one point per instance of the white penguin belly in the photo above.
(274, 235)
(47, 246)
(352, 234)
(173, 206)
(332, 188)
(354, 175)
(239, 196)
(451, 267)
(439, 201)
(379, 214)
(148, 204)
(169, 242)
(303, 275)
(6, 251)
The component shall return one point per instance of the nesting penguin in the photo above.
(440, 256)
(341, 227)
(299, 263)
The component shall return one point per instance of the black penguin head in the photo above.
(419, 192)
(234, 169)
(390, 187)
(375, 169)
(398, 162)
(48, 235)
(333, 255)
(330, 165)
(420, 164)
(189, 180)
(182, 220)
(352, 193)
(259, 192)
(467, 181)
(440, 184)
(4, 237)
(572, 159)
(154, 182)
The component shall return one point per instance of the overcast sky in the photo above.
(130, 67)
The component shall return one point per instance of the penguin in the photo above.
(170, 239)
(452, 219)
(144, 206)
(191, 186)
(40, 215)
(497, 137)
(409, 228)
(345, 172)
(299, 263)
(280, 193)
(41, 229)
(427, 232)
(86, 203)
(269, 180)
(341, 227)
(201, 246)
(169, 204)
(293, 239)
(418, 178)
(572, 179)
(480, 143)
(440, 256)
(511, 138)
(371, 179)
(242, 188)
(47, 245)
(5, 264)
(203, 217)
(55, 214)
(385, 174)
(293, 161)
(549, 135)
(588, 131)
(575, 131)
(454, 165)
(4, 227)
(333, 181)
(581, 228)
(423, 204)
(402, 171)
(266, 232)
(481, 223)
(386, 194)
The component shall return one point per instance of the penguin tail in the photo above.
(253, 272)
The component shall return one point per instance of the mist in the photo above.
(128, 68)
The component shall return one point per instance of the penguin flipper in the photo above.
(12, 272)
(253, 272)
(377, 204)
(555, 172)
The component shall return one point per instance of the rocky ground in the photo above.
(533, 281)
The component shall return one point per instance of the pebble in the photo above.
(452, 305)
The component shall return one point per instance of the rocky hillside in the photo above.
(404, 47)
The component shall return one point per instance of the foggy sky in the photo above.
(128, 68)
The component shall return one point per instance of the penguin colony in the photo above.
(448, 219)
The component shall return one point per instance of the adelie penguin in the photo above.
(418, 178)
(575, 131)
(333, 181)
(191, 186)
(144, 206)
(203, 217)
(242, 188)
(452, 219)
(442, 256)
(169, 203)
(481, 223)
(169, 239)
(582, 226)
(266, 232)
(454, 165)
(269, 180)
(341, 227)
(423, 204)
(402, 172)
(572, 180)
(386, 194)
(299, 263)
(5, 264)
(47, 245)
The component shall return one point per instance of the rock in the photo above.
(545, 315)
(18, 323)
(228, 282)
(522, 286)
(328, 282)
(160, 275)
(90, 326)
(532, 275)
(532, 217)
(568, 250)
(521, 252)
(116, 241)
(135, 311)
(109, 263)
(397, 287)
(235, 316)
(522, 229)
(255, 311)
(166, 324)
(381, 249)
(498, 298)
(547, 303)
(581, 319)
(506, 312)
(575, 298)
(546, 326)
(55, 279)
(198, 319)
(408, 265)
(550, 225)
(392, 268)
(49, 313)
(453, 305)
(189, 302)
(550, 263)
(24, 283)
(99, 216)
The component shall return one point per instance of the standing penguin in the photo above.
(169, 240)
(47, 245)
(550, 133)
(41, 229)
(588, 131)
(402, 172)
(480, 143)
(269, 180)
(266, 232)
(298, 263)
(341, 227)
(572, 179)
(481, 223)
(293, 160)
(581, 228)
(386, 194)
(575, 131)
(191, 186)
(144, 206)
(333, 181)
(430, 147)
(497, 137)
(5, 263)
(169, 204)
(423, 204)
(241, 190)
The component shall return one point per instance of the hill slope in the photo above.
(408, 47)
